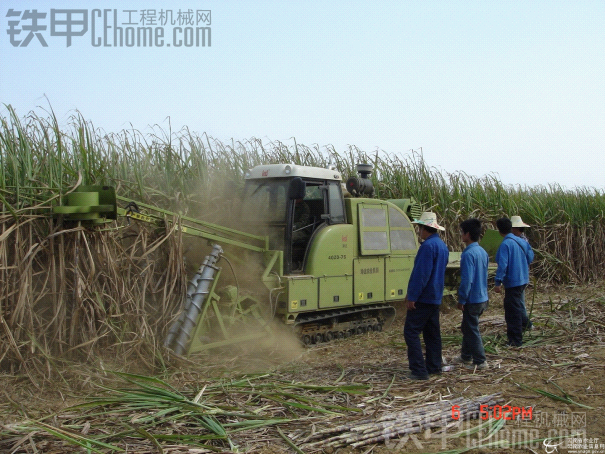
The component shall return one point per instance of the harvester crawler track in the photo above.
(320, 327)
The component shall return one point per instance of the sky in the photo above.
(508, 88)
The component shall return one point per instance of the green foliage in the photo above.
(190, 172)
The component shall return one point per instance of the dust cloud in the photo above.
(259, 340)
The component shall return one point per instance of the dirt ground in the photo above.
(559, 373)
(564, 355)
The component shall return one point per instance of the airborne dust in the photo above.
(266, 341)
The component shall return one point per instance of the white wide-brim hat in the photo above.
(429, 219)
(516, 221)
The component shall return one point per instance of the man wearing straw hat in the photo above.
(513, 258)
(517, 229)
(425, 289)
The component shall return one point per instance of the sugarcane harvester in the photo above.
(334, 259)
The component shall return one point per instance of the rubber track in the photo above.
(343, 312)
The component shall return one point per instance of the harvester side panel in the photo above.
(369, 280)
(302, 292)
(332, 251)
(397, 273)
(336, 291)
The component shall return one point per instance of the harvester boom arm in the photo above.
(97, 204)
(192, 226)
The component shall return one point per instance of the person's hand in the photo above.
(410, 305)
(497, 289)
(460, 306)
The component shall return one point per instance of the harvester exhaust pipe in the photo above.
(197, 291)
(362, 185)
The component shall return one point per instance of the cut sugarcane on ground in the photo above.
(350, 396)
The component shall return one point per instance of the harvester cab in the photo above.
(290, 203)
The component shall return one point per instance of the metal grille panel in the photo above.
(375, 241)
(373, 217)
(402, 240)
(415, 211)
(396, 219)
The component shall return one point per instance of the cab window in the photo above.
(335, 203)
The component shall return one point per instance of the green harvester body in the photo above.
(336, 276)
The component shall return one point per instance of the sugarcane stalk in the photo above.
(394, 425)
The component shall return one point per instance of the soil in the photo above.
(563, 355)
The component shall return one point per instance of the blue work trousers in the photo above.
(472, 347)
(515, 314)
(425, 319)
(525, 321)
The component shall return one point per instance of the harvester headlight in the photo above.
(287, 169)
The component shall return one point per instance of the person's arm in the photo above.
(529, 253)
(421, 273)
(466, 278)
(502, 259)
(409, 303)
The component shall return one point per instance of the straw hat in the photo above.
(516, 221)
(429, 219)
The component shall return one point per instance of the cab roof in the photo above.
(268, 171)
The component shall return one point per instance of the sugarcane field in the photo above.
(158, 296)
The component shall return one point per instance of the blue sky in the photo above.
(514, 88)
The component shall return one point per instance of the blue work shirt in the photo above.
(513, 258)
(474, 275)
(426, 284)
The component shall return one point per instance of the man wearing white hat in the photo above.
(517, 227)
(425, 290)
(513, 258)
